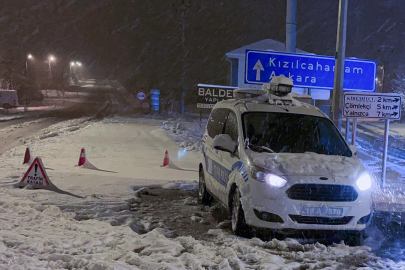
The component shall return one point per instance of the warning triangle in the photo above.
(36, 175)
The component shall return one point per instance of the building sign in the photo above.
(209, 95)
(309, 71)
(367, 105)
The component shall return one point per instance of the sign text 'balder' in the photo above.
(209, 95)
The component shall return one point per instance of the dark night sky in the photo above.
(139, 41)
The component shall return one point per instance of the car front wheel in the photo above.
(239, 226)
(354, 238)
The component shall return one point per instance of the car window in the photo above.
(216, 122)
(294, 133)
(231, 126)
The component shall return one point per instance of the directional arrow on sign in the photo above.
(395, 107)
(394, 114)
(258, 67)
(396, 99)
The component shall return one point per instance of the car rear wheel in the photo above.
(239, 226)
(203, 196)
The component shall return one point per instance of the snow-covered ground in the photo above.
(5, 118)
(370, 148)
(38, 232)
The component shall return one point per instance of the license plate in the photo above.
(322, 211)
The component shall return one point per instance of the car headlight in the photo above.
(270, 179)
(364, 181)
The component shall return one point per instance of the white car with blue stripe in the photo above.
(280, 164)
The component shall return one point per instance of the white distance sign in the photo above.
(372, 105)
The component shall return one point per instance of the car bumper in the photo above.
(273, 209)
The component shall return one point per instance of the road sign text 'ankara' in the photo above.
(309, 71)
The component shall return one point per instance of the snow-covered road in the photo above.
(46, 230)
(131, 150)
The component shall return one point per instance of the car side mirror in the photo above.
(225, 143)
(354, 149)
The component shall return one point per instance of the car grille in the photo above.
(322, 192)
(321, 220)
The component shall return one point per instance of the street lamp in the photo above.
(72, 64)
(51, 58)
(78, 64)
(29, 57)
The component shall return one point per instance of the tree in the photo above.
(398, 84)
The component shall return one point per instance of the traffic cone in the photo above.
(166, 159)
(27, 157)
(82, 158)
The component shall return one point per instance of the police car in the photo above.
(278, 163)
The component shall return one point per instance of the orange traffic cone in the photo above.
(166, 159)
(27, 157)
(82, 158)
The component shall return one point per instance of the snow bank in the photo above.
(42, 237)
(10, 117)
(186, 134)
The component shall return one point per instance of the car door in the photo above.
(215, 126)
(229, 159)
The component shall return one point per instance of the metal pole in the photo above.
(183, 10)
(347, 129)
(200, 117)
(384, 161)
(26, 90)
(339, 65)
(50, 70)
(291, 24)
(354, 131)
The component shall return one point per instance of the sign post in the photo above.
(384, 161)
(354, 132)
(385, 106)
(347, 129)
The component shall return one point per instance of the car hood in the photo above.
(307, 164)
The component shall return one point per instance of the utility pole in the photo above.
(339, 65)
(385, 51)
(291, 24)
(183, 10)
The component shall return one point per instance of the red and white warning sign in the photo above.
(141, 95)
(36, 175)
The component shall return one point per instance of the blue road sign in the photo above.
(309, 71)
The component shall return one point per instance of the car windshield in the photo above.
(293, 133)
